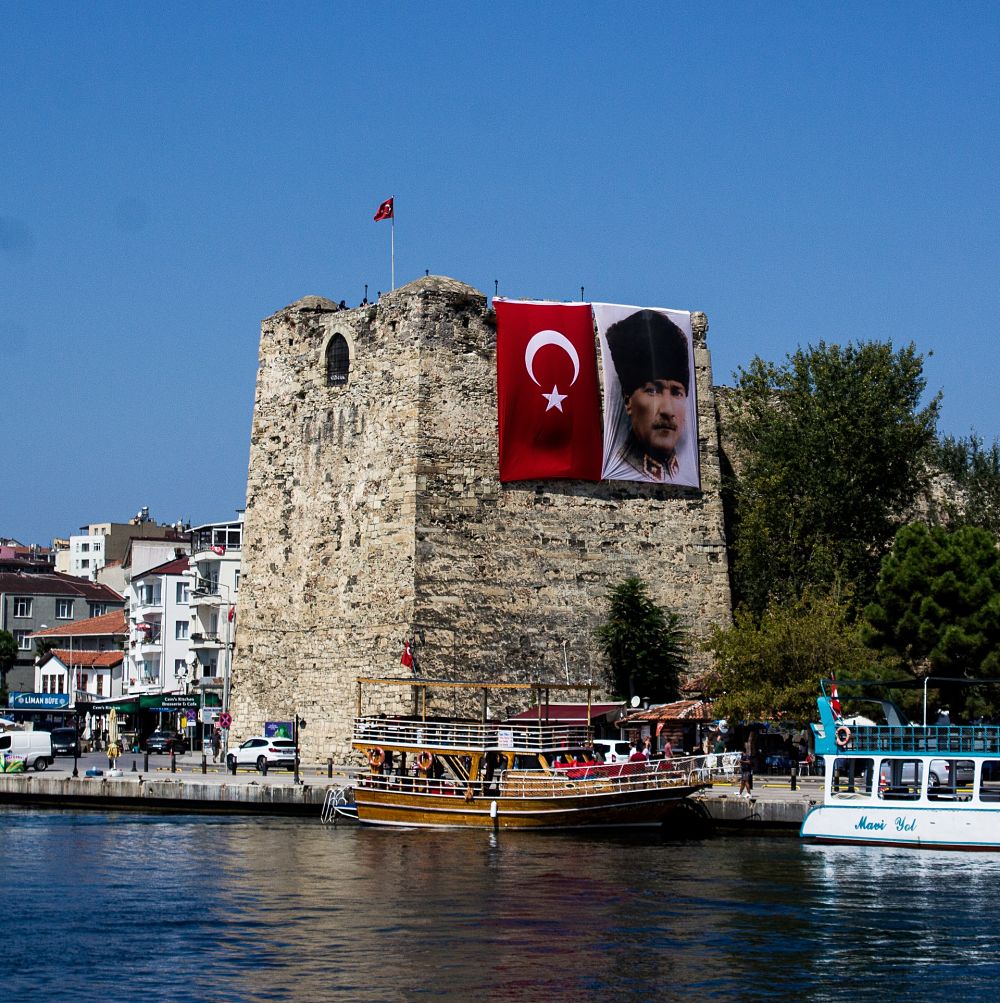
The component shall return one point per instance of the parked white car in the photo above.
(260, 751)
(614, 750)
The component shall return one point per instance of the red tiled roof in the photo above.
(110, 623)
(57, 584)
(679, 710)
(98, 659)
(174, 566)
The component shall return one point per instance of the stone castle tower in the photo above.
(375, 512)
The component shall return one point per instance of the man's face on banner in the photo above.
(657, 410)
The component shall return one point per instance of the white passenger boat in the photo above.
(901, 784)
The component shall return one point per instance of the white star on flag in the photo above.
(555, 399)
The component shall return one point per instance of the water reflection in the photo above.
(150, 907)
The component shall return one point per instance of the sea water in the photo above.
(130, 907)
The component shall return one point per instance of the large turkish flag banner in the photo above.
(547, 394)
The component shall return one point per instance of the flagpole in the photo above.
(392, 247)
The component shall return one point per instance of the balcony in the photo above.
(148, 606)
(149, 642)
(205, 597)
(205, 641)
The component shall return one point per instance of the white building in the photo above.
(159, 623)
(214, 575)
(96, 675)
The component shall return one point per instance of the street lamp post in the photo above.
(299, 723)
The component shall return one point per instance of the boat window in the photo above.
(989, 785)
(950, 779)
(852, 777)
(900, 779)
(527, 763)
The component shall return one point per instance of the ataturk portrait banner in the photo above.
(650, 398)
(548, 400)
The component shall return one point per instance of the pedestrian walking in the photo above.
(746, 774)
(216, 745)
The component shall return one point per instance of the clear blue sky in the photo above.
(171, 174)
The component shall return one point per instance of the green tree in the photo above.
(645, 646)
(975, 468)
(8, 655)
(937, 607)
(768, 668)
(831, 449)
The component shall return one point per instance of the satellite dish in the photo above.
(635, 701)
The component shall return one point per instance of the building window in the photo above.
(180, 630)
(21, 636)
(149, 595)
(85, 564)
(64, 609)
(182, 592)
(83, 680)
(97, 546)
(100, 685)
(338, 361)
(208, 671)
(22, 606)
(180, 667)
(84, 548)
(98, 609)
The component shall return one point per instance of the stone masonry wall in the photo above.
(374, 511)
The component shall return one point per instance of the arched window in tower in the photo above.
(338, 361)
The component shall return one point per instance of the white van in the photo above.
(614, 750)
(34, 747)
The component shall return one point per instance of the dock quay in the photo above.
(774, 807)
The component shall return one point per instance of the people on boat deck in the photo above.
(639, 755)
(746, 774)
(647, 747)
(668, 749)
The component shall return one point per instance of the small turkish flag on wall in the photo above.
(384, 210)
(547, 397)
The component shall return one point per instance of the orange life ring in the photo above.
(842, 735)
(376, 757)
(425, 760)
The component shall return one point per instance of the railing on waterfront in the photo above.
(471, 736)
(915, 738)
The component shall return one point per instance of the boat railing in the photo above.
(920, 739)
(407, 733)
(599, 778)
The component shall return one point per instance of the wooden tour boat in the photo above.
(431, 771)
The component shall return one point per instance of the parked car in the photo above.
(613, 750)
(258, 751)
(939, 774)
(65, 742)
(166, 741)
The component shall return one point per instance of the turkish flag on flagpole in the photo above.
(835, 698)
(384, 210)
(548, 403)
(407, 658)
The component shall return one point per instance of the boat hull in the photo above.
(919, 826)
(407, 808)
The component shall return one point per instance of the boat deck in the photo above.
(923, 740)
(411, 734)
